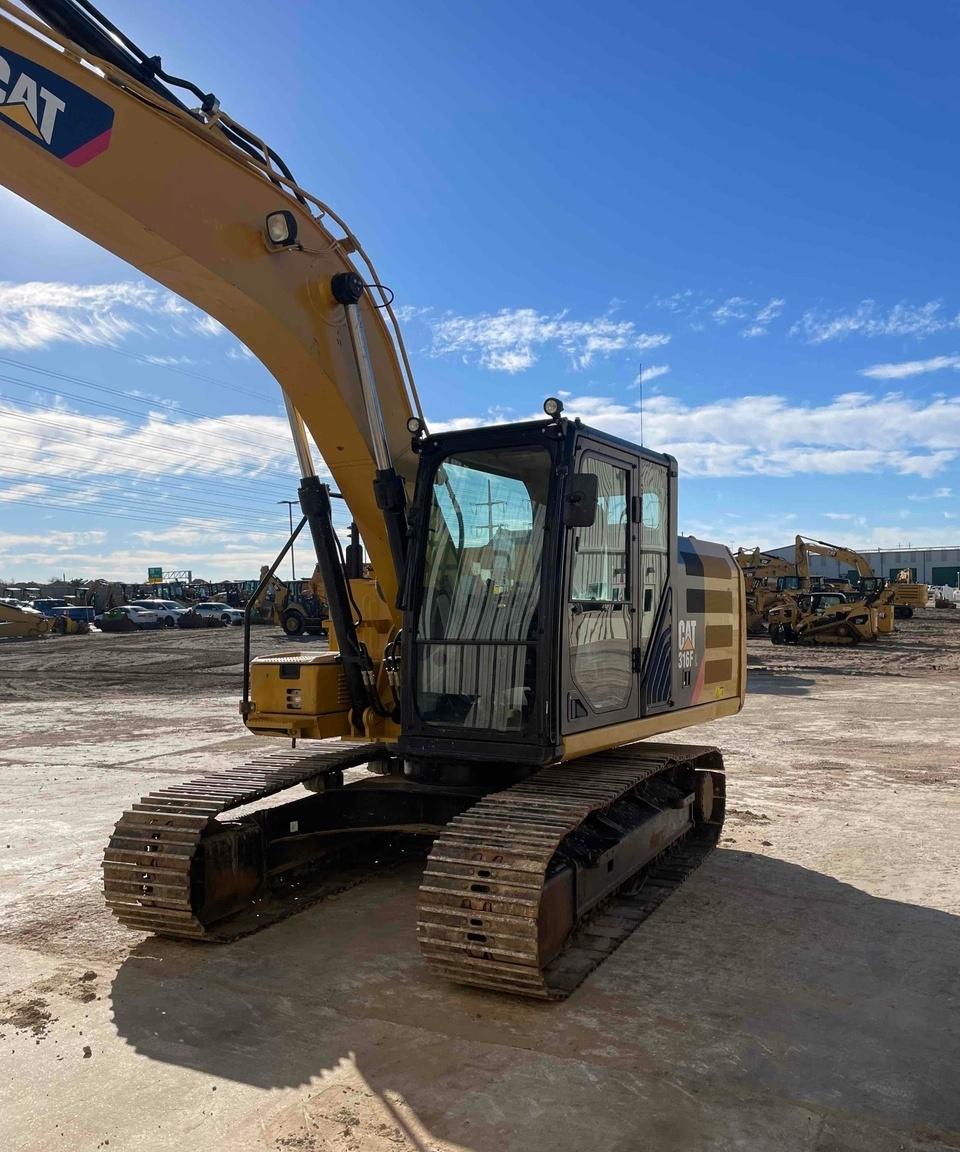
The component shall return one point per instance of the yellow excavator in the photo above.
(903, 593)
(533, 621)
(764, 574)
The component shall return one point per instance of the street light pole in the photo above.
(293, 562)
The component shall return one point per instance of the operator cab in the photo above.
(541, 583)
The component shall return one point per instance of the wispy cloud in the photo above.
(868, 319)
(38, 314)
(648, 340)
(167, 362)
(846, 517)
(701, 310)
(762, 319)
(28, 491)
(778, 531)
(907, 368)
(773, 436)
(65, 444)
(936, 494)
(510, 340)
(650, 373)
(677, 302)
(61, 541)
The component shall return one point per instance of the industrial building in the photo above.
(936, 566)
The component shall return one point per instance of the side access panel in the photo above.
(709, 607)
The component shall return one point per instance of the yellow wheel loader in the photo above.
(534, 621)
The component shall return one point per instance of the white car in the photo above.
(168, 611)
(140, 617)
(223, 612)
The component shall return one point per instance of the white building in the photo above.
(926, 565)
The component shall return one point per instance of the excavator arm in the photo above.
(805, 545)
(90, 133)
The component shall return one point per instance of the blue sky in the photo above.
(756, 203)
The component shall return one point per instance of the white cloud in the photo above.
(52, 539)
(908, 368)
(867, 319)
(777, 531)
(20, 491)
(213, 561)
(733, 308)
(936, 494)
(678, 302)
(772, 436)
(509, 340)
(760, 323)
(648, 375)
(700, 309)
(37, 314)
(648, 340)
(166, 362)
(69, 445)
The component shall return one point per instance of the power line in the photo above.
(27, 465)
(107, 514)
(186, 372)
(285, 478)
(169, 406)
(112, 496)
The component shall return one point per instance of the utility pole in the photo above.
(293, 562)
(490, 504)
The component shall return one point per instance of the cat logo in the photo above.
(63, 119)
(687, 636)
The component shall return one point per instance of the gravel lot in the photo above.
(800, 992)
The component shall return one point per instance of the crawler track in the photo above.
(525, 892)
(153, 870)
(485, 900)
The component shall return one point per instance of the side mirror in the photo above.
(580, 503)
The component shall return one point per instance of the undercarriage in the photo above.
(526, 888)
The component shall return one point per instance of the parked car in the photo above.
(168, 611)
(128, 618)
(223, 612)
(54, 606)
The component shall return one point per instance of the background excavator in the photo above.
(902, 596)
(764, 575)
(500, 676)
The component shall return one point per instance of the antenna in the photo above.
(640, 383)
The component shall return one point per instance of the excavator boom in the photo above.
(184, 196)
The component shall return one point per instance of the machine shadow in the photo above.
(760, 979)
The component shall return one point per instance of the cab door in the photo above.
(599, 682)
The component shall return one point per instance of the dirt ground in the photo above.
(800, 992)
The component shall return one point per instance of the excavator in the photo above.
(764, 575)
(903, 594)
(533, 621)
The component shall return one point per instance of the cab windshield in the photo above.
(477, 625)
